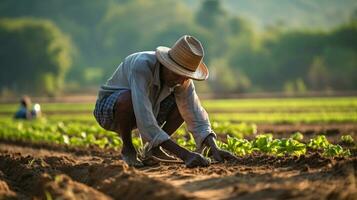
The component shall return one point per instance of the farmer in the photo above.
(154, 92)
(24, 111)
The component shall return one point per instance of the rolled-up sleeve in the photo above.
(140, 80)
(193, 113)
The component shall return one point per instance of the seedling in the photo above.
(297, 136)
(347, 139)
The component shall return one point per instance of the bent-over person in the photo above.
(153, 91)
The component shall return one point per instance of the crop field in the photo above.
(290, 148)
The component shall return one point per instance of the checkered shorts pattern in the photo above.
(104, 109)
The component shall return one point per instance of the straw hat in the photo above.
(184, 58)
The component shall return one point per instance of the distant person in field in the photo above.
(154, 92)
(25, 112)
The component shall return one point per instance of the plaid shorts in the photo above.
(104, 109)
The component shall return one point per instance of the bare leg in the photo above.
(124, 119)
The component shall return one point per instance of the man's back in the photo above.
(141, 61)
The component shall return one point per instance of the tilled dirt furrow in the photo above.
(33, 178)
(5, 191)
(291, 180)
(43, 173)
(72, 178)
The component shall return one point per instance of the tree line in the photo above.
(51, 46)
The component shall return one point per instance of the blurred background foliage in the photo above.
(55, 46)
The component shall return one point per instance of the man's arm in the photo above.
(194, 115)
(140, 81)
(197, 121)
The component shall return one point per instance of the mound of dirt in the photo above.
(63, 187)
(5, 191)
(70, 178)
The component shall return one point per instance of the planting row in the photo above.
(335, 104)
(256, 117)
(87, 133)
(84, 135)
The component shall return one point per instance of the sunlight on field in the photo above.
(69, 123)
(289, 110)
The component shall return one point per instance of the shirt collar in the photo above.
(157, 81)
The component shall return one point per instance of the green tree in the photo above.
(210, 13)
(146, 29)
(35, 55)
(318, 74)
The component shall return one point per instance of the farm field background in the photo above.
(275, 111)
(281, 94)
(284, 146)
(74, 124)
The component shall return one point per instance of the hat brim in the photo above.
(201, 73)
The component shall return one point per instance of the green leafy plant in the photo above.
(237, 146)
(297, 136)
(187, 143)
(290, 146)
(336, 150)
(347, 139)
(319, 142)
(263, 143)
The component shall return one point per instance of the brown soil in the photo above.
(308, 129)
(38, 172)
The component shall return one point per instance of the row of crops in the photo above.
(234, 120)
(260, 118)
(261, 111)
(90, 134)
(287, 146)
(77, 133)
(281, 104)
